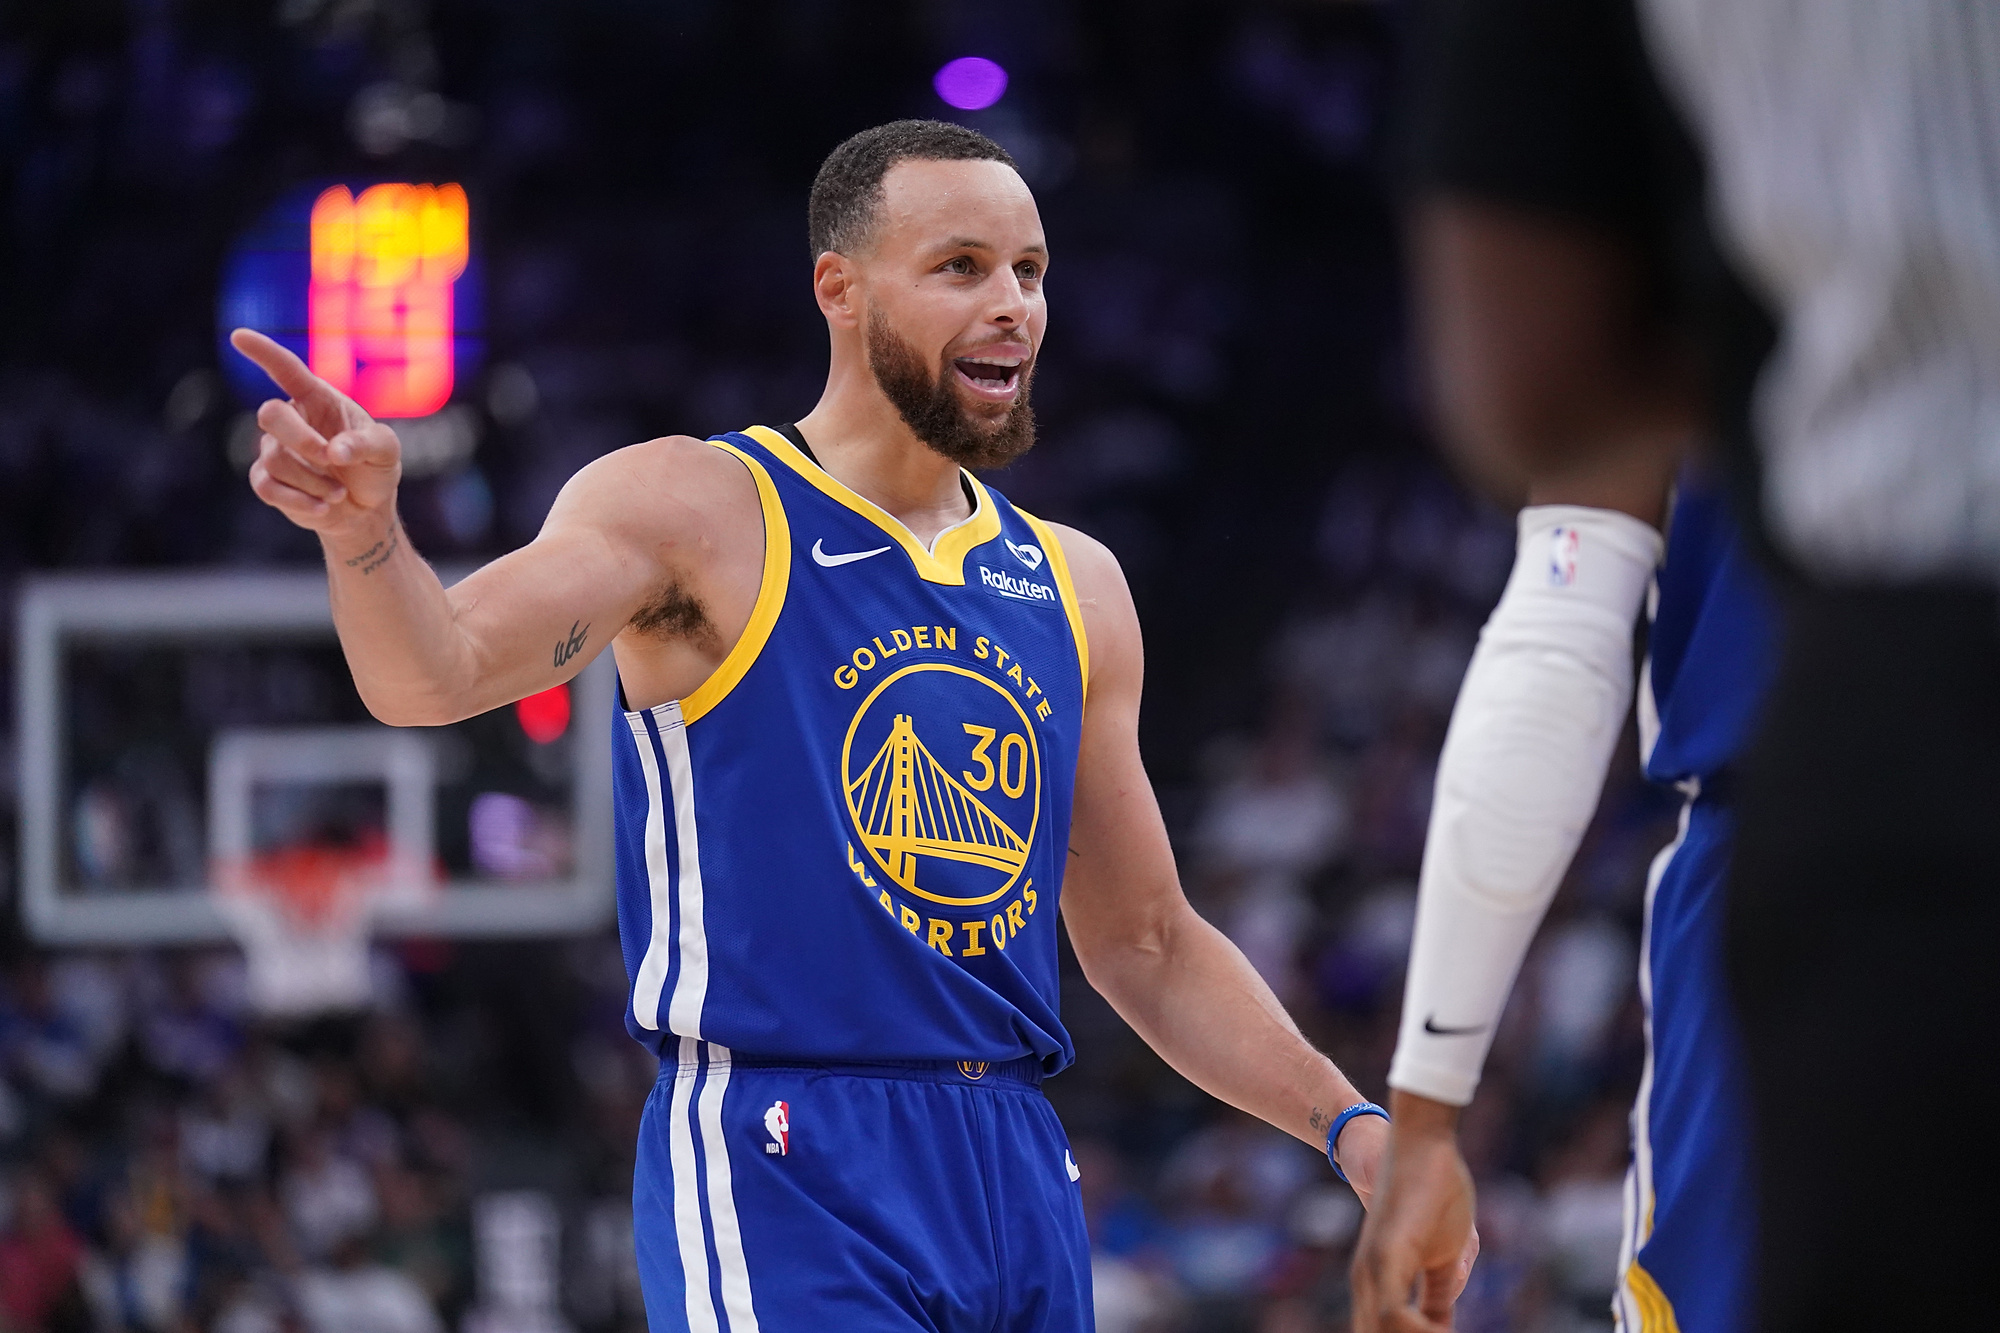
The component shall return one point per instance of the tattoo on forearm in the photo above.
(1074, 852)
(1320, 1121)
(573, 645)
(377, 555)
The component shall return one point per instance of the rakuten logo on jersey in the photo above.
(1002, 584)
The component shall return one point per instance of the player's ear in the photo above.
(834, 285)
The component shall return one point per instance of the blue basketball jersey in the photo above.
(1713, 644)
(1690, 1207)
(848, 844)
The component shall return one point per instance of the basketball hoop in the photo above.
(302, 915)
(301, 903)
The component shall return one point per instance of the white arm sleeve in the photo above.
(1523, 765)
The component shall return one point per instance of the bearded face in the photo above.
(964, 424)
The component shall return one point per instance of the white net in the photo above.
(301, 902)
(302, 916)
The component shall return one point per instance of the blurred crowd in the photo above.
(1225, 400)
(175, 1164)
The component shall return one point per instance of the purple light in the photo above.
(970, 83)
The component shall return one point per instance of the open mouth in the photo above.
(994, 378)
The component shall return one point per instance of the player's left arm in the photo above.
(1174, 977)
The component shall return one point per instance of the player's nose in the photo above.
(1009, 300)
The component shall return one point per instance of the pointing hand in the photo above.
(322, 462)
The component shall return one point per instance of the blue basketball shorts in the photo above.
(1690, 1206)
(800, 1198)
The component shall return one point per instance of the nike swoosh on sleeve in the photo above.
(1431, 1026)
(820, 557)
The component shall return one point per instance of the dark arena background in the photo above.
(612, 219)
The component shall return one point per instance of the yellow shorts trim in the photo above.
(1656, 1312)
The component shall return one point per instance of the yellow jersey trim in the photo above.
(1656, 1312)
(770, 595)
(944, 564)
(1059, 566)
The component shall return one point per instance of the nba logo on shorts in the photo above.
(778, 1124)
(1563, 545)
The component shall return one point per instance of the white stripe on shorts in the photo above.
(722, 1198)
(688, 1229)
(1639, 1176)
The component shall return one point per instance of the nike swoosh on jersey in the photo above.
(1431, 1026)
(820, 557)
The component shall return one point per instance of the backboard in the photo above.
(170, 723)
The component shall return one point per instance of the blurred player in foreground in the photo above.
(856, 777)
(1852, 151)
(1557, 208)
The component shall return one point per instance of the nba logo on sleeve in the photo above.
(778, 1124)
(1563, 546)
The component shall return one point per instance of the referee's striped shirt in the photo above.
(1854, 146)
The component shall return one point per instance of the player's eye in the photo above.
(1029, 270)
(959, 264)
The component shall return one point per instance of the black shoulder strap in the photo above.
(798, 439)
(791, 432)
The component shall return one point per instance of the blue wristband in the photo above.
(1340, 1123)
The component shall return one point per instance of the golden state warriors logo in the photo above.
(943, 779)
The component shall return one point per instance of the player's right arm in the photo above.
(422, 654)
(1547, 386)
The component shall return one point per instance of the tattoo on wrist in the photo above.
(573, 645)
(1320, 1121)
(377, 555)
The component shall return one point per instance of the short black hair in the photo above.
(848, 189)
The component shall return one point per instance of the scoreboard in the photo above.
(379, 308)
(374, 285)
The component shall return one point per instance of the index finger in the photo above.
(282, 365)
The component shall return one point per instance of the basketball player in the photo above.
(1556, 209)
(877, 727)
(1854, 173)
